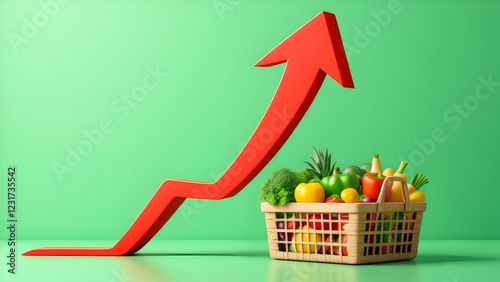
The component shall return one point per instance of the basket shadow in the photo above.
(429, 258)
(222, 254)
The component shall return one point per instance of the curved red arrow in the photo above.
(311, 52)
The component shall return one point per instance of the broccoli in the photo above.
(304, 176)
(280, 187)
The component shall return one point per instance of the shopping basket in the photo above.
(348, 233)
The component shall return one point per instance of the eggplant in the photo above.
(369, 200)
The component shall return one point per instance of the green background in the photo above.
(410, 71)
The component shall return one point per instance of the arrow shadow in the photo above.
(239, 253)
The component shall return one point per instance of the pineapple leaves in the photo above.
(321, 165)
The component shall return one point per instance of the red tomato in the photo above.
(344, 249)
(331, 200)
(335, 223)
(384, 250)
(327, 248)
(357, 202)
(344, 217)
(315, 223)
(291, 224)
(335, 248)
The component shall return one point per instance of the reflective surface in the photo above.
(249, 261)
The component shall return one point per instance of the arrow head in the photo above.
(317, 44)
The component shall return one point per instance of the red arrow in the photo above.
(311, 52)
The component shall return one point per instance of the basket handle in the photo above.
(381, 196)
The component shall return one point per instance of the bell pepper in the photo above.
(359, 199)
(372, 184)
(337, 182)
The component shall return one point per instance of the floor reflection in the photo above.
(137, 268)
(282, 270)
(250, 261)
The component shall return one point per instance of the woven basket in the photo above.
(353, 233)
